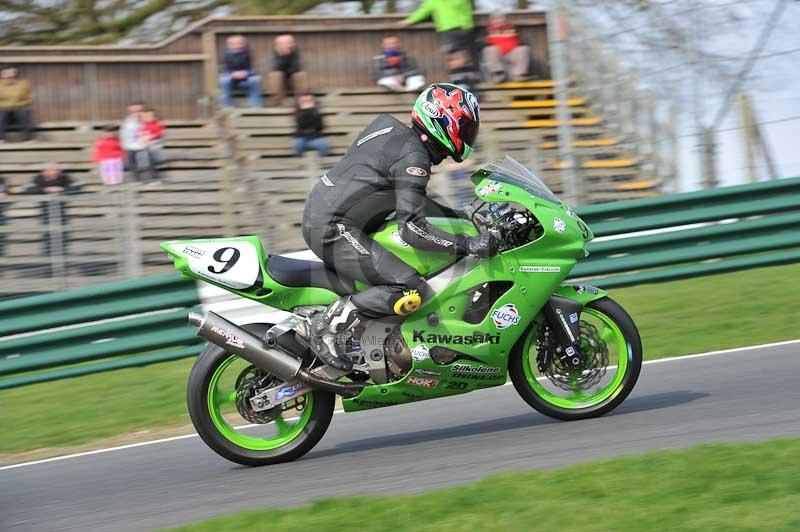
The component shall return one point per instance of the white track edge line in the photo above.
(194, 435)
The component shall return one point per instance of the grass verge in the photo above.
(707, 313)
(710, 488)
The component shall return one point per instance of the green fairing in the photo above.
(533, 271)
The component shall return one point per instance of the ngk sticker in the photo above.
(505, 316)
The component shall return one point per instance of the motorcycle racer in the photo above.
(386, 170)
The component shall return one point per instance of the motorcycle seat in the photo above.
(307, 273)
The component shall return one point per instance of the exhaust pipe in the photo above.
(250, 347)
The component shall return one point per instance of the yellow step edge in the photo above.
(527, 104)
(592, 121)
(594, 143)
(638, 185)
(544, 84)
(602, 163)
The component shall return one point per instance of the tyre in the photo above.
(217, 398)
(613, 351)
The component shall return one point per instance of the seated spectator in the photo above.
(238, 72)
(309, 127)
(286, 70)
(108, 156)
(153, 131)
(135, 144)
(461, 71)
(54, 215)
(15, 103)
(394, 69)
(505, 55)
(3, 194)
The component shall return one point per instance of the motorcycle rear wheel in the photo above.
(211, 398)
(623, 350)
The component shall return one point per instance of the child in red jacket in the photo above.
(108, 155)
(152, 130)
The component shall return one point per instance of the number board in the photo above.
(232, 263)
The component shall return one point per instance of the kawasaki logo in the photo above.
(475, 338)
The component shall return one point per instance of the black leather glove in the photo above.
(483, 245)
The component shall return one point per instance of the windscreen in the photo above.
(508, 170)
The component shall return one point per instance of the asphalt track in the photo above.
(746, 395)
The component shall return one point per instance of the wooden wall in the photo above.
(96, 82)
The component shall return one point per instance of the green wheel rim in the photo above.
(611, 333)
(286, 431)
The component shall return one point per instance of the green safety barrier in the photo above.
(143, 321)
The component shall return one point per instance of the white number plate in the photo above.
(229, 263)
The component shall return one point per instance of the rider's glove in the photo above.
(483, 245)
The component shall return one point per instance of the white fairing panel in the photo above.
(232, 263)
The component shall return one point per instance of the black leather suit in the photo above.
(386, 170)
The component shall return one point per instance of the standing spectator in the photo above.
(238, 72)
(153, 131)
(505, 55)
(394, 69)
(286, 69)
(15, 102)
(108, 155)
(452, 20)
(309, 127)
(134, 142)
(53, 181)
(3, 194)
(462, 72)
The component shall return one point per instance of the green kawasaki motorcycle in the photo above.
(258, 396)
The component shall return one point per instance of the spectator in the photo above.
(3, 194)
(286, 70)
(51, 180)
(153, 131)
(505, 55)
(54, 218)
(15, 102)
(108, 155)
(135, 144)
(238, 72)
(394, 69)
(462, 72)
(309, 127)
(452, 20)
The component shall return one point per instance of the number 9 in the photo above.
(230, 262)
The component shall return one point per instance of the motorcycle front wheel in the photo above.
(613, 361)
(218, 407)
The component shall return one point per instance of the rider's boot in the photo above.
(326, 326)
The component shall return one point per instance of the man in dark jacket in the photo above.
(286, 69)
(394, 69)
(238, 72)
(385, 171)
(309, 127)
(54, 215)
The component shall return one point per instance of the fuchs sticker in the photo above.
(492, 187)
(395, 235)
(505, 316)
(420, 352)
(558, 225)
(422, 382)
(430, 109)
(416, 170)
(540, 269)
